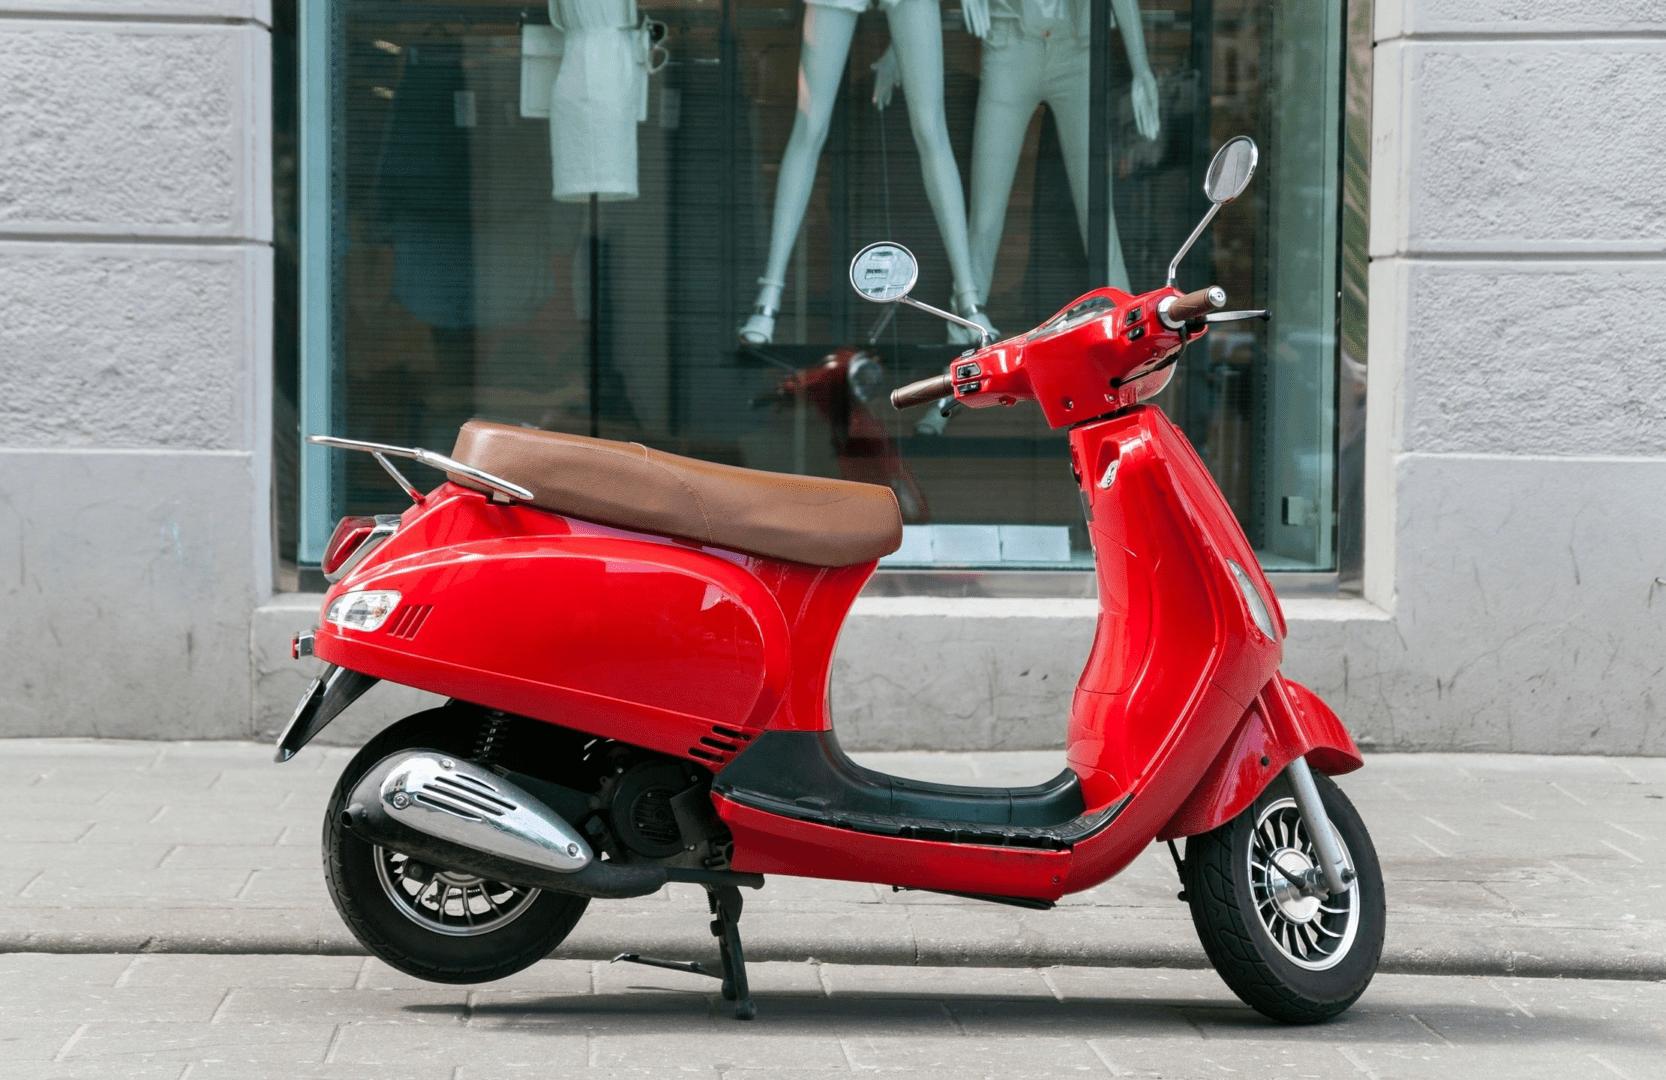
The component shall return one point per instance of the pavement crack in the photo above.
(1419, 1022)
(221, 1007)
(335, 1042)
(1610, 1066)
(1110, 1065)
(1430, 846)
(1353, 1059)
(1058, 995)
(69, 1044)
(1518, 1006)
(960, 1029)
(27, 885)
(126, 973)
(1568, 793)
(1621, 850)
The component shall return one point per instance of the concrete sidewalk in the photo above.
(1496, 865)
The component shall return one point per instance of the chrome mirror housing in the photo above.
(1230, 172)
(1231, 169)
(884, 272)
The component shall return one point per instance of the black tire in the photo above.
(1223, 887)
(356, 885)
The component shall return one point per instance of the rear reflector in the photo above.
(350, 532)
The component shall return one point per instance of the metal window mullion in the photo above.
(317, 136)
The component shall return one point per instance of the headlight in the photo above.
(1258, 607)
(362, 610)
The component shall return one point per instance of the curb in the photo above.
(1641, 966)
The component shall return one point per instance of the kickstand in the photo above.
(725, 903)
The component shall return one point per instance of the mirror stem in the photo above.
(1174, 267)
(983, 332)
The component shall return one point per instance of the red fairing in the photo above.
(1176, 659)
(659, 642)
(1287, 721)
(768, 844)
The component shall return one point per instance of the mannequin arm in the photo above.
(1144, 90)
(887, 77)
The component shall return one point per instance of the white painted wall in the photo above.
(135, 340)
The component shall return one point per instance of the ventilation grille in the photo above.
(464, 796)
(721, 745)
(408, 620)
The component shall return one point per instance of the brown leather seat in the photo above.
(805, 519)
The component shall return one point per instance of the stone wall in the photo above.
(1516, 486)
(135, 340)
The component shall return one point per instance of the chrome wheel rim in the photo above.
(446, 901)
(1310, 933)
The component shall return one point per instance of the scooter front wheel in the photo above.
(1289, 955)
(428, 921)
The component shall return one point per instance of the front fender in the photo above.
(1286, 721)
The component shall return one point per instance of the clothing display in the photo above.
(1039, 52)
(597, 78)
(459, 201)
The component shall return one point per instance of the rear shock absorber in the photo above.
(494, 732)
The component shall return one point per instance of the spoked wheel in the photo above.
(430, 921)
(1289, 955)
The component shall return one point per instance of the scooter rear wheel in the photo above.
(430, 922)
(1295, 958)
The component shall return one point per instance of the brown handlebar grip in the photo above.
(1196, 305)
(918, 393)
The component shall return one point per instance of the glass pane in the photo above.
(634, 221)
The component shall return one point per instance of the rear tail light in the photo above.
(350, 533)
(353, 539)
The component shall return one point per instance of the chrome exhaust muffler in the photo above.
(456, 814)
(461, 802)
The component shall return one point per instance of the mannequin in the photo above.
(917, 37)
(1036, 52)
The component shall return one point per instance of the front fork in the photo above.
(1335, 872)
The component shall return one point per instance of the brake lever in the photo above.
(1236, 316)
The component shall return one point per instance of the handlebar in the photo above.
(919, 393)
(1194, 305)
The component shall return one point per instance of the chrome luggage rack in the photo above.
(502, 490)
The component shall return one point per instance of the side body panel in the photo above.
(654, 641)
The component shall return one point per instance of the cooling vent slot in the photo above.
(408, 620)
(721, 745)
(464, 796)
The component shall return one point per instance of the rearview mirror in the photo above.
(1230, 172)
(1231, 169)
(884, 272)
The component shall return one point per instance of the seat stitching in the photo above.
(699, 503)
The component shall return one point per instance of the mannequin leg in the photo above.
(917, 33)
(821, 68)
(1066, 81)
(1006, 101)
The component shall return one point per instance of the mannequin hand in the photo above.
(1146, 117)
(887, 76)
(976, 14)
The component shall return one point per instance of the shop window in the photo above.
(633, 221)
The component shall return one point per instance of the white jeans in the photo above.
(1021, 73)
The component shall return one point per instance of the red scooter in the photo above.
(636, 647)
